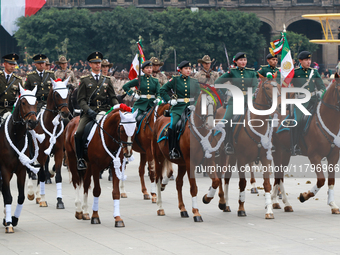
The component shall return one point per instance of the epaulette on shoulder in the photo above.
(253, 69)
(233, 68)
(17, 76)
(1, 72)
(49, 71)
(84, 76)
(263, 65)
(107, 76)
(31, 73)
(297, 68)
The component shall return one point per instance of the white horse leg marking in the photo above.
(269, 205)
(253, 185)
(18, 210)
(122, 187)
(42, 191)
(30, 190)
(226, 194)
(159, 196)
(8, 209)
(330, 200)
(77, 201)
(95, 205)
(85, 206)
(116, 209)
(211, 192)
(165, 180)
(284, 195)
(37, 192)
(274, 194)
(59, 190)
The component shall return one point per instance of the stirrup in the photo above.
(229, 149)
(296, 150)
(174, 154)
(81, 164)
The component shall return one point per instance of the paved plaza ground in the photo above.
(310, 229)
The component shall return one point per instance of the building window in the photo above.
(305, 1)
(146, 1)
(201, 1)
(93, 2)
(252, 1)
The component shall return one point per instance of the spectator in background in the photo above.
(220, 69)
(199, 67)
(327, 73)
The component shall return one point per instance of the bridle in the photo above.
(57, 107)
(23, 119)
(268, 98)
(204, 117)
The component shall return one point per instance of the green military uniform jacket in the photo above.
(301, 76)
(43, 85)
(186, 88)
(8, 98)
(242, 78)
(267, 68)
(149, 86)
(101, 100)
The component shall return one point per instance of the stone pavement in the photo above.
(310, 229)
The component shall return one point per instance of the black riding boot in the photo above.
(173, 152)
(229, 148)
(295, 149)
(81, 164)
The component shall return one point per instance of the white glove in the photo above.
(157, 101)
(191, 107)
(173, 102)
(319, 94)
(135, 95)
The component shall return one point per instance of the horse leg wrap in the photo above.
(165, 180)
(211, 192)
(330, 200)
(8, 213)
(42, 188)
(194, 202)
(268, 199)
(18, 209)
(242, 196)
(226, 194)
(116, 209)
(59, 190)
(95, 204)
(315, 190)
(153, 187)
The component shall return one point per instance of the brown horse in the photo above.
(51, 124)
(321, 140)
(13, 134)
(252, 144)
(112, 138)
(142, 144)
(190, 144)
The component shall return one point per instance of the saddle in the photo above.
(306, 120)
(86, 133)
(139, 119)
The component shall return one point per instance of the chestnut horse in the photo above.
(143, 146)
(13, 134)
(194, 145)
(112, 139)
(321, 140)
(253, 144)
(51, 124)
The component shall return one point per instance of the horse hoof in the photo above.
(269, 216)
(30, 197)
(60, 204)
(163, 187)
(276, 206)
(154, 199)
(254, 191)
(160, 212)
(43, 204)
(146, 197)
(123, 195)
(227, 209)
(335, 211)
(119, 224)
(204, 200)
(184, 214)
(37, 200)
(302, 198)
(288, 209)
(14, 221)
(79, 215)
(222, 206)
(9, 230)
(95, 220)
(241, 213)
(86, 216)
(48, 181)
(198, 219)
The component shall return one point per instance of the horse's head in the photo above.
(266, 90)
(60, 97)
(27, 103)
(126, 131)
(332, 97)
(207, 113)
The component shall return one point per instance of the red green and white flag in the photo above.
(11, 10)
(287, 66)
(276, 46)
(133, 73)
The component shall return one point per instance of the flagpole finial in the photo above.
(284, 28)
(140, 37)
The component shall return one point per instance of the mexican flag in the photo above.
(133, 73)
(287, 66)
(11, 10)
